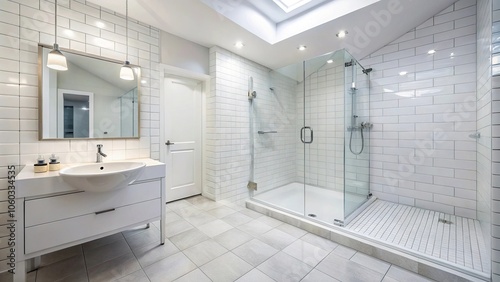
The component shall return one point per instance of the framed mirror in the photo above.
(88, 101)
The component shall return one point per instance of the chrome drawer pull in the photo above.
(105, 211)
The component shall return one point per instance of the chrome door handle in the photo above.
(169, 143)
(302, 130)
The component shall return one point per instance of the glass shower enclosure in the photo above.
(311, 139)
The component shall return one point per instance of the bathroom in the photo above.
(432, 89)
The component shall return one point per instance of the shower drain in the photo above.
(442, 220)
(311, 215)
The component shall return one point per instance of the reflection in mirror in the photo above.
(89, 100)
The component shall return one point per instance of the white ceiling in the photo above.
(270, 38)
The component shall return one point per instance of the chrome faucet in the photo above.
(100, 154)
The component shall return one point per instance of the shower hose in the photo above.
(362, 141)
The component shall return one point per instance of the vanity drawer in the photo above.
(45, 210)
(69, 230)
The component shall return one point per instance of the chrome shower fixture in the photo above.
(251, 94)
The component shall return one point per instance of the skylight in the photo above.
(290, 5)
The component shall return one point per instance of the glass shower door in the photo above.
(357, 136)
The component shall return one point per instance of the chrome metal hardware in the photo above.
(99, 154)
(476, 135)
(302, 133)
(169, 143)
(104, 211)
(252, 185)
(266, 132)
(338, 222)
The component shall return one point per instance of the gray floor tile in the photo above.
(321, 242)
(79, 276)
(171, 217)
(154, 252)
(221, 211)
(178, 204)
(270, 221)
(232, 238)
(291, 230)
(306, 252)
(113, 269)
(226, 268)
(283, 267)
(277, 238)
(255, 252)
(344, 252)
(177, 227)
(148, 236)
(346, 270)
(236, 219)
(251, 213)
(138, 276)
(255, 275)
(61, 269)
(204, 252)
(400, 274)
(170, 268)
(317, 276)
(102, 241)
(188, 211)
(197, 200)
(136, 230)
(104, 253)
(371, 262)
(200, 219)
(255, 228)
(189, 238)
(194, 276)
(61, 255)
(215, 228)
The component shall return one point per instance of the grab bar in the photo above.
(266, 132)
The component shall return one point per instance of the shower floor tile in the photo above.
(459, 240)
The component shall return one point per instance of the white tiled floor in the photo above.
(208, 241)
(418, 230)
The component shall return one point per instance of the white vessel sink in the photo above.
(102, 177)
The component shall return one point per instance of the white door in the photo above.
(182, 138)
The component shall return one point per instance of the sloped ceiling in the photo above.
(371, 24)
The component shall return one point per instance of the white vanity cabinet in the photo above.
(66, 217)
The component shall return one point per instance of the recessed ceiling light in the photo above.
(302, 47)
(403, 73)
(329, 61)
(431, 52)
(239, 44)
(290, 5)
(342, 34)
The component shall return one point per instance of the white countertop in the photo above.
(31, 184)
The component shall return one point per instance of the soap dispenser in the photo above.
(41, 165)
(53, 163)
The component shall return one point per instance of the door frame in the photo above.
(60, 110)
(168, 71)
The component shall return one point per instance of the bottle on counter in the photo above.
(41, 165)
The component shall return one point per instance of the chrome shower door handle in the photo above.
(302, 131)
(169, 143)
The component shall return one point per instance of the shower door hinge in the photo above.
(338, 222)
(348, 64)
(252, 185)
(369, 195)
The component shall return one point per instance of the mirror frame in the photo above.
(40, 93)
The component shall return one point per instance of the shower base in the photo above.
(412, 238)
(320, 204)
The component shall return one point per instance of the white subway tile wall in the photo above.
(24, 24)
(423, 107)
(228, 122)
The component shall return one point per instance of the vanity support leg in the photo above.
(162, 208)
(33, 263)
(20, 275)
(147, 226)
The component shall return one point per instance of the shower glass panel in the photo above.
(301, 122)
(356, 136)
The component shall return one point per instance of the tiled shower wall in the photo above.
(228, 122)
(421, 153)
(24, 24)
